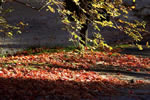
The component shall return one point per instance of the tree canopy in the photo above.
(78, 15)
(5, 27)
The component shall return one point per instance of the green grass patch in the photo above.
(36, 51)
(124, 46)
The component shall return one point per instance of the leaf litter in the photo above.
(68, 75)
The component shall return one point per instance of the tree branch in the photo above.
(28, 5)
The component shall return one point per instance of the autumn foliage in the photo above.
(65, 75)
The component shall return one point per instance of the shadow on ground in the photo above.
(38, 89)
(135, 51)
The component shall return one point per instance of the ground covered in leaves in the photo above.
(69, 75)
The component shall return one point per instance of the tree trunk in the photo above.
(84, 34)
(1, 1)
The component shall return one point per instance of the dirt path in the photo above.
(135, 51)
(141, 92)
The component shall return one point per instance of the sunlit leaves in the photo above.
(105, 23)
(76, 1)
(66, 21)
(7, 28)
(51, 9)
(75, 60)
(133, 7)
(147, 45)
(10, 34)
(2, 20)
(94, 12)
(139, 46)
